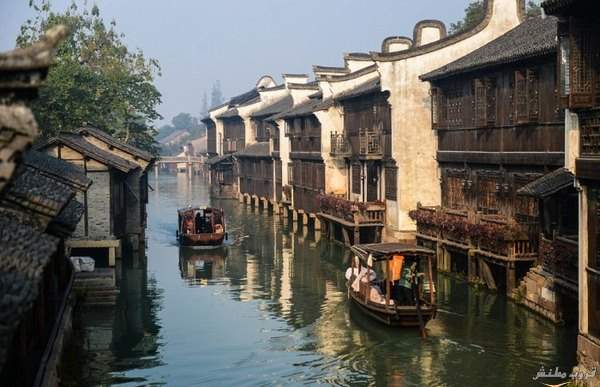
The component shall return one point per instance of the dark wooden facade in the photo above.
(211, 137)
(234, 135)
(256, 171)
(306, 172)
(579, 88)
(499, 128)
(223, 177)
(366, 144)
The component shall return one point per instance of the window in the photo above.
(521, 96)
(356, 178)
(533, 95)
(590, 133)
(453, 187)
(565, 65)
(487, 194)
(290, 173)
(490, 92)
(527, 100)
(391, 183)
(435, 92)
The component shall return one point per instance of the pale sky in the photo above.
(237, 41)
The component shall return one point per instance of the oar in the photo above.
(415, 287)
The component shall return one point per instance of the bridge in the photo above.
(191, 165)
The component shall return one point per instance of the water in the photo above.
(271, 309)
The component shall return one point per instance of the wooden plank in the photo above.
(486, 272)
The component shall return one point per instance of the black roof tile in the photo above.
(549, 184)
(532, 38)
(110, 140)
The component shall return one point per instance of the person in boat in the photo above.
(188, 225)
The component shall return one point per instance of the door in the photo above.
(372, 181)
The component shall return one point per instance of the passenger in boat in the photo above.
(203, 224)
(188, 226)
(219, 229)
(402, 289)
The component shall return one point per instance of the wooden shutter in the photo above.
(533, 95)
(391, 183)
(521, 97)
(434, 108)
(491, 107)
(356, 178)
(582, 47)
(480, 100)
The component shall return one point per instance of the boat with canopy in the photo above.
(201, 226)
(393, 283)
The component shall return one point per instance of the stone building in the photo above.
(400, 63)
(115, 205)
(579, 91)
(38, 212)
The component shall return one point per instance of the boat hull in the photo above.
(215, 239)
(400, 316)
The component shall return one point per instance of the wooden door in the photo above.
(372, 181)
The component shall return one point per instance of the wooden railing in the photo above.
(559, 256)
(340, 146)
(353, 212)
(370, 142)
(493, 234)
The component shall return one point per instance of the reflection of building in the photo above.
(579, 91)
(202, 264)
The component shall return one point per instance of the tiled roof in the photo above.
(230, 113)
(330, 69)
(549, 184)
(278, 106)
(369, 87)
(243, 98)
(37, 193)
(110, 140)
(88, 149)
(259, 149)
(64, 171)
(304, 109)
(219, 159)
(552, 6)
(534, 37)
(22, 265)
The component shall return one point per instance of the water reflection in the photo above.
(272, 308)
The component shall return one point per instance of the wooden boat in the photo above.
(393, 283)
(201, 226)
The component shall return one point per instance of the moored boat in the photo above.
(201, 226)
(393, 283)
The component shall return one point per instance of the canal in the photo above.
(271, 309)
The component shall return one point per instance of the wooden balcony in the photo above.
(352, 213)
(340, 146)
(559, 257)
(494, 236)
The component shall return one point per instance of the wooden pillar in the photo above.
(472, 266)
(356, 235)
(439, 253)
(346, 235)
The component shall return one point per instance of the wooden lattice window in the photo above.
(480, 102)
(356, 178)
(590, 134)
(491, 107)
(435, 107)
(487, 194)
(533, 95)
(391, 182)
(583, 46)
(521, 96)
(455, 109)
(290, 167)
(453, 187)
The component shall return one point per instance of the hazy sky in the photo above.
(237, 41)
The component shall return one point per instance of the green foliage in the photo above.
(96, 79)
(475, 12)
(216, 95)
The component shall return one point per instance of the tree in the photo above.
(216, 95)
(475, 12)
(204, 110)
(96, 80)
(182, 121)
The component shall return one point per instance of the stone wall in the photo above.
(98, 201)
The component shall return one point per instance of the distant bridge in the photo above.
(184, 164)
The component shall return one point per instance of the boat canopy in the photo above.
(386, 251)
